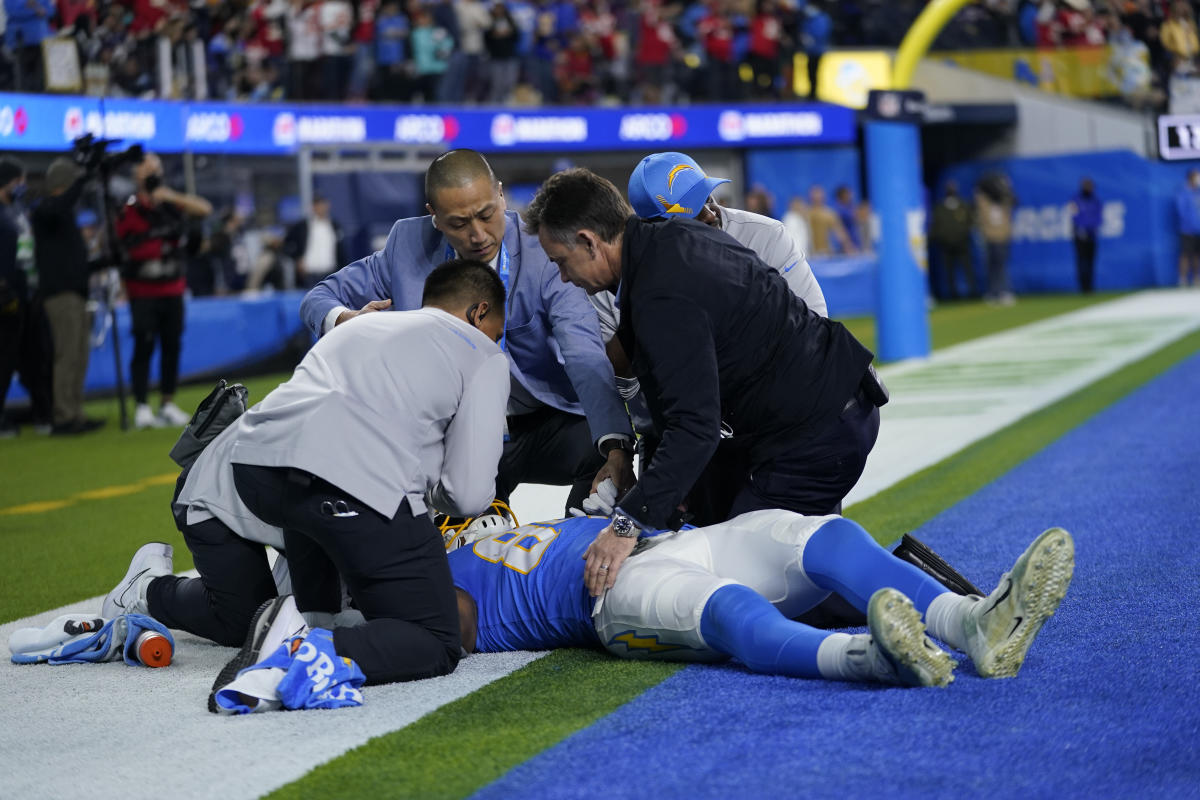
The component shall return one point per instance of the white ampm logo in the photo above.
(212, 126)
(419, 129)
(648, 127)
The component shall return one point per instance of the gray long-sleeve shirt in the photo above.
(386, 407)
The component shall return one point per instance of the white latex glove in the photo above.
(600, 502)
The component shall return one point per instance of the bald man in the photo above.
(152, 228)
(567, 425)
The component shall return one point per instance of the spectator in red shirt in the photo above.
(69, 12)
(574, 71)
(151, 229)
(716, 32)
(363, 45)
(766, 35)
(652, 58)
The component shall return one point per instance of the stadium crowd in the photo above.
(536, 51)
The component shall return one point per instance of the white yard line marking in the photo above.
(967, 392)
(135, 732)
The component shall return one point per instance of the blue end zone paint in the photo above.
(1107, 705)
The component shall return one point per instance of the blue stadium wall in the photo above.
(1138, 244)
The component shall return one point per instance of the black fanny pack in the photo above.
(218, 411)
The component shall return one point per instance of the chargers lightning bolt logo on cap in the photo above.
(674, 172)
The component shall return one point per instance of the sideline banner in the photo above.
(41, 122)
(1073, 71)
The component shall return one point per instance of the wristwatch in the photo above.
(624, 527)
(615, 443)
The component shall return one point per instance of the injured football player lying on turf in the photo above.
(703, 594)
(731, 590)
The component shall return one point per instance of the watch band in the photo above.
(625, 527)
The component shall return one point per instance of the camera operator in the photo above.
(152, 228)
(63, 268)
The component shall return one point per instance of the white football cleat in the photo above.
(1000, 627)
(897, 650)
(129, 597)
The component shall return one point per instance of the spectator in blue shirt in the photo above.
(1085, 223)
(1187, 206)
(28, 24)
(816, 32)
(391, 40)
(432, 46)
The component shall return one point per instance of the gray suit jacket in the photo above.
(387, 407)
(551, 332)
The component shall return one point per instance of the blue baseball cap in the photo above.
(665, 184)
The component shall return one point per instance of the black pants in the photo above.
(155, 320)
(814, 68)
(26, 350)
(549, 446)
(1085, 261)
(956, 258)
(235, 579)
(813, 478)
(394, 569)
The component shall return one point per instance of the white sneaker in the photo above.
(144, 418)
(1000, 627)
(129, 597)
(171, 414)
(276, 621)
(897, 650)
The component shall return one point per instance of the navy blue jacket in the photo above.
(716, 335)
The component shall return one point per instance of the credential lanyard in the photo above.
(502, 266)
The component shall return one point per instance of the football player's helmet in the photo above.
(458, 532)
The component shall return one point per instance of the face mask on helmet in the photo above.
(457, 532)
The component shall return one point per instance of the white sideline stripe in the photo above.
(934, 413)
(110, 730)
(138, 732)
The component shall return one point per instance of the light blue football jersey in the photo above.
(517, 579)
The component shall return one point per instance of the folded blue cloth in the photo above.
(78, 639)
(301, 673)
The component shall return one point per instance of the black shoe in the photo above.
(76, 427)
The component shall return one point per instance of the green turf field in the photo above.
(72, 510)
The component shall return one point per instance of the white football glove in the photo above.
(599, 503)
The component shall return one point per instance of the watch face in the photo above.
(622, 526)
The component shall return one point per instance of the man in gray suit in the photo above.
(335, 467)
(566, 423)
